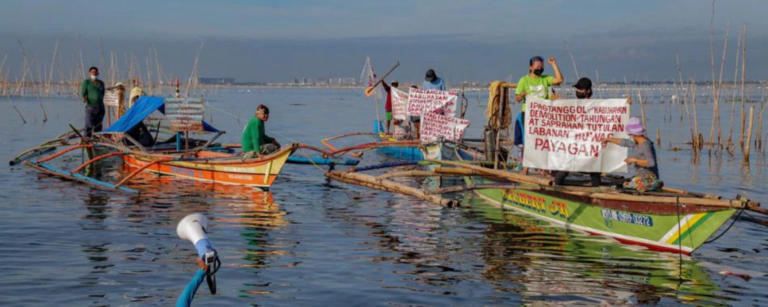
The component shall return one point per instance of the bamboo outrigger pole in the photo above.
(389, 186)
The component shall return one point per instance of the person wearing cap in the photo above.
(255, 141)
(583, 91)
(388, 104)
(432, 81)
(643, 157)
(535, 82)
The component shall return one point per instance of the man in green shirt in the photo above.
(535, 82)
(255, 141)
(92, 92)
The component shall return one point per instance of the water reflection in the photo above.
(550, 265)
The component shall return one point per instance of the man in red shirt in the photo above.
(388, 104)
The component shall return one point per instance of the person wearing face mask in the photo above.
(535, 83)
(92, 92)
(583, 91)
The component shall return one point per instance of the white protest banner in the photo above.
(565, 134)
(399, 104)
(111, 98)
(428, 101)
(435, 127)
(185, 114)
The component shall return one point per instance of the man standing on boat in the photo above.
(583, 91)
(92, 92)
(255, 141)
(431, 82)
(537, 84)
(388, 104)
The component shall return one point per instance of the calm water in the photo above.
(309, 242)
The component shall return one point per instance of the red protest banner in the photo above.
(436, 127)
(566, 134)
(432, 101)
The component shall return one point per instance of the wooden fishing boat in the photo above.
(214, 167)
(199, 160)
(678, 222)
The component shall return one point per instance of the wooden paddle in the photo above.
(369, 90)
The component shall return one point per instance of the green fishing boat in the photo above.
(664, 221)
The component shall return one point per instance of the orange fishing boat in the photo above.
(215, 167)
(196, 159)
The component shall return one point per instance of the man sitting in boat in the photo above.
(643, 157)
(583, 91)
(255, 142)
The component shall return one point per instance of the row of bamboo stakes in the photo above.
(71, 74)
(157, 82)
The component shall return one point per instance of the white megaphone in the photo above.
(193, 228)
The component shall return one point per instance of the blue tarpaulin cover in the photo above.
(140, 110)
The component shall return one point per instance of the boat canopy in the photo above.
(140, 110)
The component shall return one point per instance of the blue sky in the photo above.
(466, 40)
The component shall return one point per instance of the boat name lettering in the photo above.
(540, 204)
(240, 177)
(238, 169)
(183, 171)
(628, 217)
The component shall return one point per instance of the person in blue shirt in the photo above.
(433, 82)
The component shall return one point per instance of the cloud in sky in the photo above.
(467, 40)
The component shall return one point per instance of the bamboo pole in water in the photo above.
(17, 109)
(712, 81)
(575, 70)
(642, 107)
(729, 144)
(720, 86)
(747, 142)
(695, 118)
(50, 73)
(743, 76)
(759, 136)
(160, 75)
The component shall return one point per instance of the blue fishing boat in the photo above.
(402, 153)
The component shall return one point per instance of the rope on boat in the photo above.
(726, 229)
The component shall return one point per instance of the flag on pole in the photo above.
(368, 77)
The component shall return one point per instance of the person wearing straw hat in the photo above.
(643, 157)
(120, 97)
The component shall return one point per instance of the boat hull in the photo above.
(261, 174)
(400, 153)
(660, 229)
